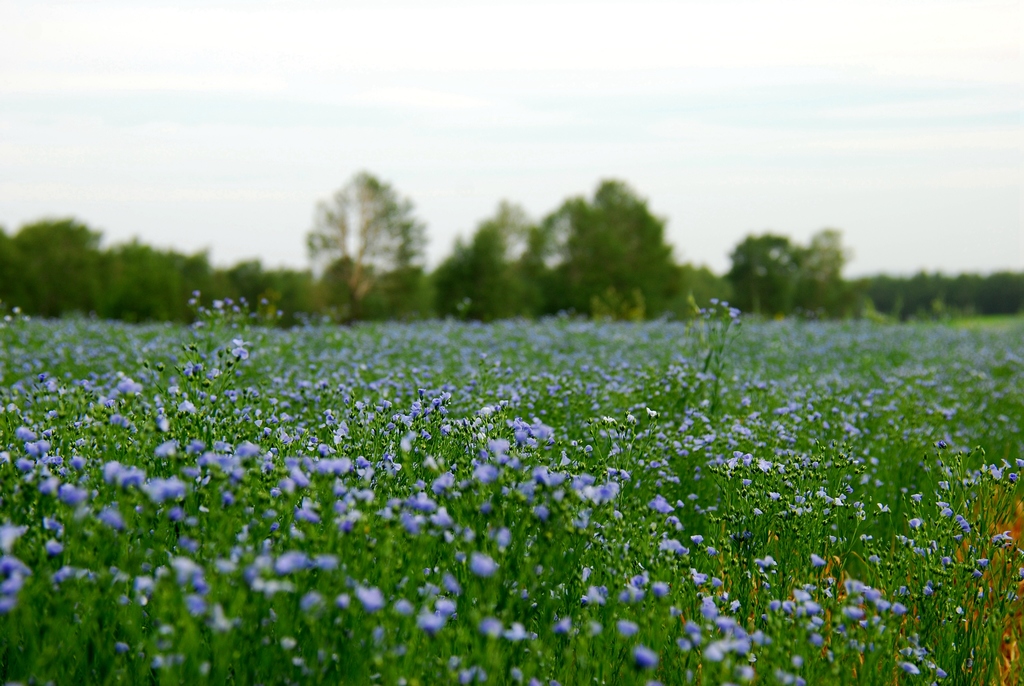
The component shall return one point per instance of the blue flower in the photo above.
(491, 627)
(127, 386)
(674, 546)
(72, 495)
(311, 601)
(485, 473)
(371, 598)
(112, 518)
(290, 562)
(166, 449)
(516, 632)
(445, 607)
(626, 627)
(451, 584)
(160, 490)
(482, 565)
(659, 504)
(443, 483)
(644, 657)
(195, 604)
(23, 433)
(239, 350)
(9, 534)
(430, 624)
(854, 613)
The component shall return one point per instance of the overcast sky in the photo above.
(220, 124)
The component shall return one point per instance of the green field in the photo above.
(590, 503)
(1007, 322)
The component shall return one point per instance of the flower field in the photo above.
(557, 502)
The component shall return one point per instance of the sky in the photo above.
(219, 125)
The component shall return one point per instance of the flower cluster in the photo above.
(562, 501)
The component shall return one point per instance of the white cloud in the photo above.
(419, 98)
(139, 193)
(460, 104)
(48, 46)
(89, 82)
(937, 107)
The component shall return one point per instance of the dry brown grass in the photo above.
(1010, 667)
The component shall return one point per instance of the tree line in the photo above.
(604, 256)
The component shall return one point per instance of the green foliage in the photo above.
(145, 284)
(54, 268)
(365, 231)
(774, 277)
(283, 291)
(401, 294)
(615, 306)
(481, 280)
(57, 268)
(699, 286)
(820, 288)
(764, 274)
(928, 296)
(611, 244)
(443, 503)
(604, 257)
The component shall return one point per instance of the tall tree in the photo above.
(480, 279)
(142, 284)
(59, 266)
(764, 274)
(364, 231)
(613, 250)
(10, 284)
(820, 288)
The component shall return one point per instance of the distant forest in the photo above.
(605, 257)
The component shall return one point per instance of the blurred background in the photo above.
(394, 160)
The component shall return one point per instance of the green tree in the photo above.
(365, 230)
(142, 284)
(10, 283)
(820, 287)
(1000, 293)
(404, 293)
(926, 295)
(59, 268)
(612, 250)
(270, 292)
(698, 286)
(764, 274)
(480, 279)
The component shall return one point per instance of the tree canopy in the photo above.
(764, 274)
(604, 256)
(481, 279)
(364, 231)
(613, 248)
